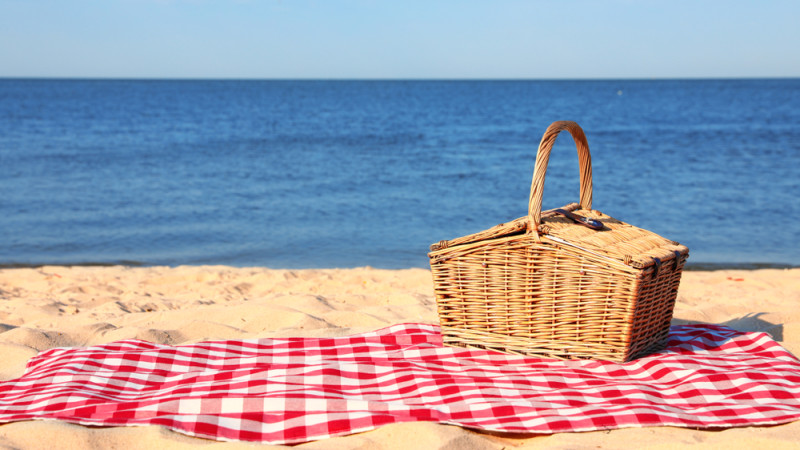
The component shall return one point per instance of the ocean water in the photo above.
(303, 174)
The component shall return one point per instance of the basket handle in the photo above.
(542, 158)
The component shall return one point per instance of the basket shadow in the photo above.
(747, 323)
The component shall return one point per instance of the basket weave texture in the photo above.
(546, 285)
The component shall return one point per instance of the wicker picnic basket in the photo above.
(565, 283)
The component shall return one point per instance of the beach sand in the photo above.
(47, 307)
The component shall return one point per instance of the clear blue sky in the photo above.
(399, 38)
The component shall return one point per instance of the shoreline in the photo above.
(689, 267)
(75, 306)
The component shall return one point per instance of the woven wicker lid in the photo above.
(630, 245)
(633, 246)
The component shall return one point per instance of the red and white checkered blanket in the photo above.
(300, 389)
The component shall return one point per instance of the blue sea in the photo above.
(308, 174)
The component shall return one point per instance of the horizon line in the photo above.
(147, 78)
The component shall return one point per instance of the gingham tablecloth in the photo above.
(294, 390)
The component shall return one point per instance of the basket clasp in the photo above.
(580, 220)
